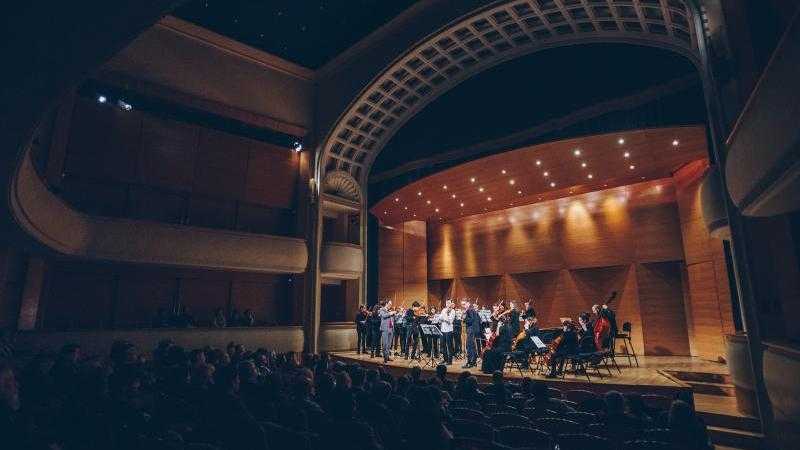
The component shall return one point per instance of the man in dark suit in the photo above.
(361, 329)
(473, 324)
(568, 347)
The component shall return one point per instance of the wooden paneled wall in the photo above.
(134, 164)
(708, 298)
(102, 296)
(402, 263)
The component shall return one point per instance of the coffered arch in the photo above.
(487, 38)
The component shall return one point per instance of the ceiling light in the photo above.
(631, 167)
(428, 202)
(583, 164)
(577, 152)
(462, 204)
(552, 184)
(101, 99)
(125, 106)
(480, 189)
(405, 207)
(627, 154)
(386, 212)
(419, 194)
(488, 199)
(511, 182)
(397, 199)
(621, 141)
(298, 147)
(444, 187)
(454, 196)
(590, 176)
(546, 173)
(415, 214)
(538, 163)
(437, 210)
(519, 192)
(472, 180)
(503, 171)
(675, 143)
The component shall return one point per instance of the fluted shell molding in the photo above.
(342, 184)
(712, 201)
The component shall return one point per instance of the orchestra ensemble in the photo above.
(503, 332)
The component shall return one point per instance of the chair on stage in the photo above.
(524, 437)
(625, 337)
(512, 359)
(582, 441)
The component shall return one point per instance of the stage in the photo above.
(653, 374)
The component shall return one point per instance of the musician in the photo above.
(585, 331)
(446, 318)
(386, 314)
(602, 328)
(473, 323)
(514, 319)
(524, 344)
(567, 345)
(433, 341)
(612, 319)
(529, 311)
(399, 332)
(374, 331)
(361, 329)
(459, 313)
(493, 358)
(413, 317)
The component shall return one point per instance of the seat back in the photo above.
(582, 418)
(657, 434)
(657, 402)
(626, 327)
(582, 441)
(556, 427)
(463, 443)
(508, 420)
(580, 395)
(516, 437)
(468, 414)
(641, 444)
(471, 429)
(496, 409)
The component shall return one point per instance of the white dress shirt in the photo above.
(446, 318)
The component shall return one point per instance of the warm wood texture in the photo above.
(618, 226)
(662, 310)
(402, 263)
(99, 296)
(131, 163)
(708, 307)
(650, 152)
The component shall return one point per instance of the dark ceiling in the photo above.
(549, 84)
(309, 33)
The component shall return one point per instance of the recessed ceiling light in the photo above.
(583, 164)
(415, 214)
(538, 163)
(462, 204)
(444, 187)
(428, 202)
(675, 143)
(511, 182)
(488, 199)
(472, 180)
(643, 178)
(590, 176)
(405, 207)
(397, 199)
(546, 173)
(621, 141)
(419, 194)
(552, 184)
(480, 189)
(437, 210)
(454, 196)
(627, 154)
(519, 192)
(577, 152)
(386, 212)
(631, 167)
(503, 171)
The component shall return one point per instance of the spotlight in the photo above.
(405, 207)
(552, 184)
(621, 141)
(675, 143)
(577, 152)
(538, 163)
(511, 182)
(124, 106)
(444, 187)
(397, 199)
(480, 189)
(627, 154)
(488, 199)
(462, 204)
(503, 171)
(519, 192)
(590, 176)
(454, 196)
(546, 173)
(419, 194)
(437, 210)
(631, 167)
(428, 202)
(583, 164)
(472, 180)
(101, 99)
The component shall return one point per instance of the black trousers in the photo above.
(472, 347)
(375, 342)
(457, 339)
(412, 340)
(361, 347)
(447, 347)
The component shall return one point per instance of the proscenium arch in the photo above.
(485, 39)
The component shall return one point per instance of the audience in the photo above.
(236, 399)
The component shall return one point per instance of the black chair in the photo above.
(461, 443)
(464, 404)
(657, 434)
(469, 429)
(580, 395)
(582, 441)
(555, 393)
(509, 420)
(657, 402)
(524, 437)
(556, 427)
(582, 418)
(625, 337)
(495, 409)
(591, 405)
(641, 444)
(468, 414)
(596, 429)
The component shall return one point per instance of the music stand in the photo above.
(432, 332)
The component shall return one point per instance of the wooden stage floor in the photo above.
(651, 375)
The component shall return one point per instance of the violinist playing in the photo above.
(565, 346)
(493, 357)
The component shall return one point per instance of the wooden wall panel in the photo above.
(221, 166)
(657, 233)
(264, 298)
(595, 240)
(662, 309)
(390, 264)
(168, 152)
(202, 296)
(140, 297)
(78, 299)
(271, 176)
(415, 262)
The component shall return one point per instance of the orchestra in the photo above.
(497, 333)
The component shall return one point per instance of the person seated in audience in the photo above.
(468, 389)
(498, 388)
(636, 408)
(183, 319)
(687, 429)
(219, 320)
(441, 375)
(615, 416)
(542, 400)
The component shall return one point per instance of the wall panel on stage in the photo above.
(662, 309)
(403, 263)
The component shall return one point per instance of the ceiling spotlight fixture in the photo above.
(627, 154)
(472, 180)
(675, 143)
(437, 210)
(480, 189)
(405, 207)
(454, 196)
(590, 176)
(428, 202)
(419, 194)
(462, 204)
(503, 171)
(397, 199)
(631, 167)
(386, 212)
(125, 106)
(546, 173)
(621, 141)
(583, 164)
(511, 182)
(538, 162)
(415, 214)
(488, 199)
(101, 99)
(519, 192)
(577, 152)
(298, 147)
(552, 184)
(444, 187)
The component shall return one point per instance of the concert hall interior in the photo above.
(463, 224)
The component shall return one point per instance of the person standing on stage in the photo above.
(457, 332)
(387, 328)
(374, 332)
(473, 323)
(433, 341)
(413, 317)
(361, 329)
(446, 318)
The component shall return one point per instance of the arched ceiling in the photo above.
(491, 36)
